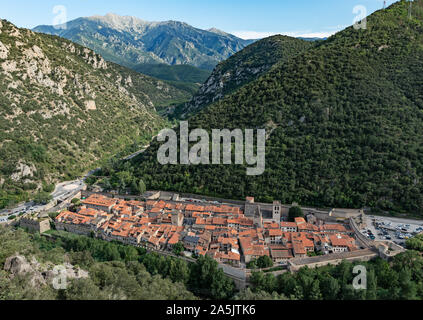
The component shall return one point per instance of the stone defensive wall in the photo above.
(332, 259)
(361, 238)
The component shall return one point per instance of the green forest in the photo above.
(242, 68)
(400, 279)
(344, 121)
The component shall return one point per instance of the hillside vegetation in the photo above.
(242, 68)
(182, 73)
(110, 270)
(345, 120)
(63, 109)
(120, 276)
(399, 279)
(113, 271)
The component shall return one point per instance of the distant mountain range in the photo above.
(130, 41)
(183, 73)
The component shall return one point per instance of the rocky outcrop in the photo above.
(17, 265)
(41, 273)
(242, 68)
(22, 171)
(90, 105)
(4, 52)
(95, 60)
(9, 66)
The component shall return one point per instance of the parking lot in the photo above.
(62, 191)
(393, 229)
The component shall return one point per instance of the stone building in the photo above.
(38, 225)
(177, 218)
(265, 211)
(277, 207)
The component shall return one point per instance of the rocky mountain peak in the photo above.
(122, 23)
(217, 31)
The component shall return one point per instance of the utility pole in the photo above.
(410, 9)
(384, 5)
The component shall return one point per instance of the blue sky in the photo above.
(244, 18)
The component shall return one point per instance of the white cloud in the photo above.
(253, 34)
(261, 35)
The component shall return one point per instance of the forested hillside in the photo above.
(63, 109)
(243, 67)
(184, 77)
(112, 274)
(345, 120)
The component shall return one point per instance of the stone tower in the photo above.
(277, 211)
(177, 218)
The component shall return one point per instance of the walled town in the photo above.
(229, 233)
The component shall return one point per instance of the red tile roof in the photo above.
(99, 200)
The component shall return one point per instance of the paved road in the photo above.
(398, 220)
(66, 189)
(136, 153)
(22, 208)
(62, 191)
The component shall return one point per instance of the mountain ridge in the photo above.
(130, 41)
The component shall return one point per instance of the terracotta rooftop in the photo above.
(99, 200)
